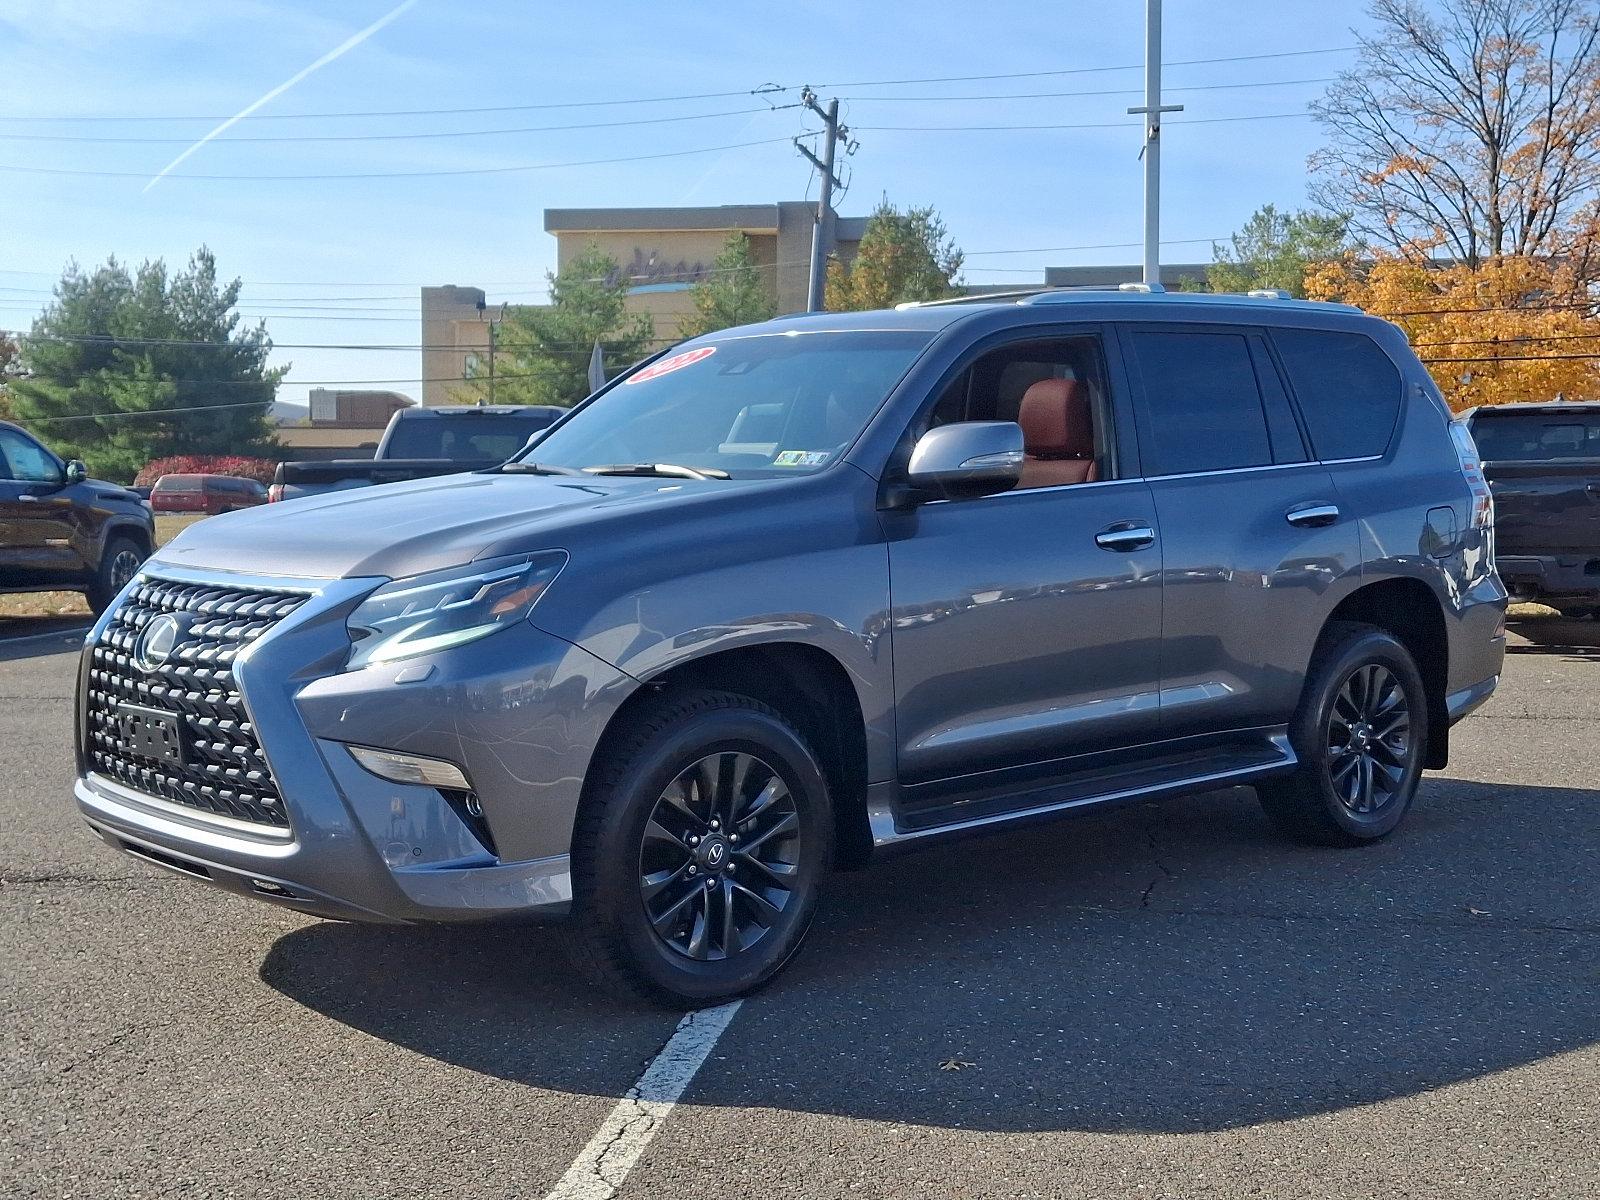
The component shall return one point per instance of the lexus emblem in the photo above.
(156, 643)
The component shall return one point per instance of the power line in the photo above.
(764, 90)
(1199, 87)
(1188, 62)
(1084, 125)
(386, 137)
(1095, 246)
(454, 171)
(439, 135)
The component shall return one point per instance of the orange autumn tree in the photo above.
(1507, 330)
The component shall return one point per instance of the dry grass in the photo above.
(71, 604)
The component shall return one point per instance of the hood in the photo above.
(401, 529)
(111, 491)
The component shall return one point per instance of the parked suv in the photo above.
(800, 593)
(209, 494)
(61, 530)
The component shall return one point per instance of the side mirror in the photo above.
(76, 472)
(969, 458)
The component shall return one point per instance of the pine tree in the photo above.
(114, 346)
(903, 256)
(734, 294)
(543, 353)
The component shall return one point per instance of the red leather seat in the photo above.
(1057, 434)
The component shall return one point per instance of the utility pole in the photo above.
(491, 360)
(820, 239)
(1152, 110)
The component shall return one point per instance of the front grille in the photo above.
(223, 770)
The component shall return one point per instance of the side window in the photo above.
(28, 461)
(1202, 403)
(1349, 391)
(1055, 388)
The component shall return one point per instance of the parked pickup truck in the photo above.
(422, 442)
(1543, 465)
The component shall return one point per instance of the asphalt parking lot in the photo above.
(1163, 1001)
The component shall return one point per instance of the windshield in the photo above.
(464, 437)
(1535, 437)
(762, 406)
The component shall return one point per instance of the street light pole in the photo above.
(1152, 110)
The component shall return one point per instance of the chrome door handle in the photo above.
(1312, 515)
(1125, 536)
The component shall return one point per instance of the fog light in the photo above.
(411, 768)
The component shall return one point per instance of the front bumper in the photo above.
(519, 712)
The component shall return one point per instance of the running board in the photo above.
(1272, 756)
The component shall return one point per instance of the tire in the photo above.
(1361, 735)
(647, 841)
(118, 562)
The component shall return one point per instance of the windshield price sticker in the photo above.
(675, 362)
(800, 458)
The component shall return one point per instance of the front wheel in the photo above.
(700, 850)
(119, 563)
(1361, 736)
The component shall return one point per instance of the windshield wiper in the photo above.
(668, 470)
(533, 468)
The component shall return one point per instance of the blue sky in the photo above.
(340, 260)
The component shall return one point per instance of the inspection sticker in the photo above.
(672, 363)
(800, 458)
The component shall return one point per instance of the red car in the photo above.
(209, 494)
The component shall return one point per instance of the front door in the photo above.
(36, 516)
(1025, 625)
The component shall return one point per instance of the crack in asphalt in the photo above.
(1154, 846)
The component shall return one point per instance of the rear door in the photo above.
(1252, 533)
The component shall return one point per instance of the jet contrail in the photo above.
(338, 51)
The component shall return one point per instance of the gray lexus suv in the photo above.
(798, 594)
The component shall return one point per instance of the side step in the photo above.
(1169, 774)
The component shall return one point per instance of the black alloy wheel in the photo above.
(1369, 744)
(700, 849)
(719, 856)
(1360, 737)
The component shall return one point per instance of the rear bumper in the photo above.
(1551, 575)
(519, 712)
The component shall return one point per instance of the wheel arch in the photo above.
(807, 685)
(1409, 610)
(132, 530)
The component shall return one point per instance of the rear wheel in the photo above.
(1361, 736)
(699, 854)
(119, 562)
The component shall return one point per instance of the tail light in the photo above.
(275, 493)
(1472, 472)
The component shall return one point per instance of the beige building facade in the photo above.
(661, 253)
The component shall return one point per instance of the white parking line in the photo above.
(604, 1163)
(76, 631)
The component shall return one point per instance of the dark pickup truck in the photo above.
(1543, 465)
(423, 442)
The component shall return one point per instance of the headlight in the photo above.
(432, 612)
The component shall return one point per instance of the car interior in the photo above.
(1056, 391)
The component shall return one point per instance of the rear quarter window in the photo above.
(1349, 392)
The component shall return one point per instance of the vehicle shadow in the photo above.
(38, 637)
(1166, 968)
(1578, 640)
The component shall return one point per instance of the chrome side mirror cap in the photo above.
(968, 458)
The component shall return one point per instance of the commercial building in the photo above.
(661, 253)
(341, 423)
